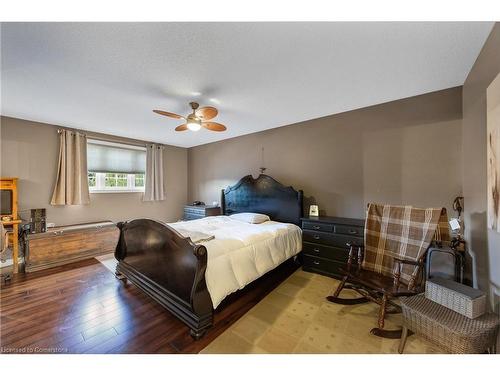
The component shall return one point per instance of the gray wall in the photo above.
(29, 151)
(407, 151)
(484, 244)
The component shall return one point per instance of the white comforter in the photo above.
(240, 253)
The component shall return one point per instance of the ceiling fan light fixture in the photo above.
(198, 119)
(194, 126)
(193, 123)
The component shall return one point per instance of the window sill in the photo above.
(115, 191)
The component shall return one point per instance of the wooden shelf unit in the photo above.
(10, 183)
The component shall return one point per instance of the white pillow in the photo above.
(250, 217)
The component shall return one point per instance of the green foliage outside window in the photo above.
(92, 179)
(139, 180)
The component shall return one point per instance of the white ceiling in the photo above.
(107, 77)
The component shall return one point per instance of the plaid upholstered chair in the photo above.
(391, 262)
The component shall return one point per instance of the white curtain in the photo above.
(71, 186)
(155, 186)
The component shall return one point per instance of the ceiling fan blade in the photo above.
(181, 128)
(168, 114)
(206, 113)
(215, 126)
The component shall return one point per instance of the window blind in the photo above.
(111, 157)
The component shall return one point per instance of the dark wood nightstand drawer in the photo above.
(321, 265)
(323, 227)
(194, 210)
(189, 216)
(331, 239)
(327, 252)
(349, 230)
(199, 212)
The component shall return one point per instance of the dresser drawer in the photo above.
(194, 210)
(331, 239)
(349, 230)
(327, 252)
(323, 227)
(199, 212)
(189, 216)
(324, 266)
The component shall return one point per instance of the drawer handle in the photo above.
(57, 232)
(316, 262)
(316, 250)
(316, 237)
(316, 227)
(353, 231)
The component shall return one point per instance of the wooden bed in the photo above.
(171, 269)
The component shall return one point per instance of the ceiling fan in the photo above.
(196, 120)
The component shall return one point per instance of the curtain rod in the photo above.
(107, 139)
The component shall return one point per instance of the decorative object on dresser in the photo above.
(449, 330)
(192, 212)
(325, 239)
(70, 243)
(313, 210)
(390, 262)
(38, 220)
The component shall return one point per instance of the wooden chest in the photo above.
(67, 244)
(324, 243)
(198, 212)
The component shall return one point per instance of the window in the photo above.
(115, 182)
(114, 167)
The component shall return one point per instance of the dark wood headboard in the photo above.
(263, 195)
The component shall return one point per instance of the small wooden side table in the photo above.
(14, 224)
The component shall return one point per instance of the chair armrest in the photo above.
(407, 261)
(397, 274)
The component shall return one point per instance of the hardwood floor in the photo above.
(83, 308)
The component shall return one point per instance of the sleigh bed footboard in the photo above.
(167, 267)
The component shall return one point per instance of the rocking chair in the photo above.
(391, 262)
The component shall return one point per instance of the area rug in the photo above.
(296, 318)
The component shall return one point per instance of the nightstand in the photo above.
(324, 243)
(198, 212)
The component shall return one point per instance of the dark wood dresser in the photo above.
(324, 243)
(198, 212)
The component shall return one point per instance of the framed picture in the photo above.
(313, 210)
(493, 147)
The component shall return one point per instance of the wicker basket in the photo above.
(464, 300)
(452, 332)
